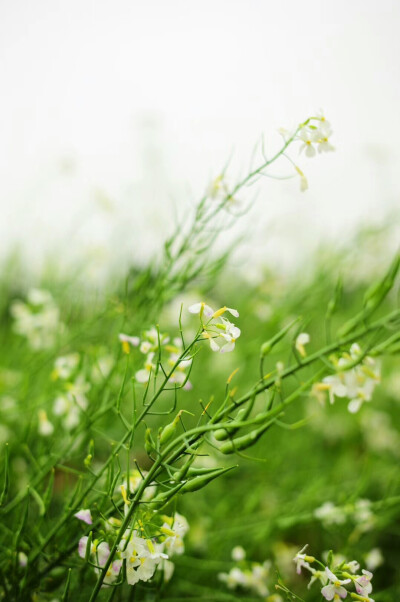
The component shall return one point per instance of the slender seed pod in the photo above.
(224, 433)
(246, 441)
(149, 444)
(169, 430)
(201, 481)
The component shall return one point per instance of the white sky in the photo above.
(142, 102)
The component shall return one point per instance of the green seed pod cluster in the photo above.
(245, 441)
(201, 481)
(224, 433)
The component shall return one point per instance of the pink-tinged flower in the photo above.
(335, 589)
(85, 516)
(363, 584)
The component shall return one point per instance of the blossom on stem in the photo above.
(142, 376)
(85, 516)
(302, 339)
(302, 560)
(142, 557)
(175, 528)
(363, 583)
(357, 382)
(238, 553)
(219, 331)
(335, 589)
(46, 428)
(64, 366)
(128, 341)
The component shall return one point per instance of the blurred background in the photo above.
(116, 115)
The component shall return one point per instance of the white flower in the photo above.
(317, 575)
(142, 557)
(356, 383)
(238, 553)
(168, 568)
(39, 297)
(142, 376)
(308, 137)
(374, 559)
(322, 138)
(38, 320)
(65, 365)
(362, 512)
(335, 588)
(100, 551)
(219, 331)
(175, 529)
(22, 559)
(127, 340)
(77, 390)
(302, 339)
(302, 560)
(235, 578)
(202, 309)
(112, 572)
(256, 579)
(226, 331)
(352, 566)
(363, 583)
(46, 428)
(85, 516)
(145, 347)
(330, 514)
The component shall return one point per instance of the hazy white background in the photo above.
(115, 112)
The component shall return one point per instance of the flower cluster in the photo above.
(98, 555)
(38, 320)
(145, 547)
(252, 576)
(335, 577)
(315, 135)
(151, 345)
(356, 378)
(71, 399)
(219, 331)
(360, 512)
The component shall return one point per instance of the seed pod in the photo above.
(149, 444)
(200, 482)
(225, 433)
(168, 431)
(246, 441)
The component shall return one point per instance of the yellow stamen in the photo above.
(124, 495)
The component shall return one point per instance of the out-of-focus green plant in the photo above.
(102, 440)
